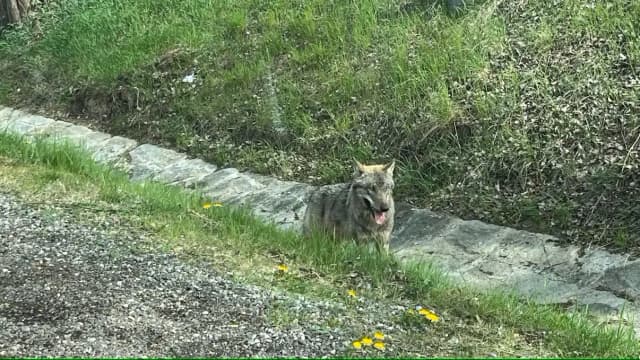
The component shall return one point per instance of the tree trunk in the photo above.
(13, 11)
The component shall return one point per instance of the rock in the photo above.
(79, 135)
(185, 172)
(148, 161)
(623, 280)
(19, 122)
(282, 203)
(113, 151)
(229, 186)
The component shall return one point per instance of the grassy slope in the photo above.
(520, 113)
(235, 242)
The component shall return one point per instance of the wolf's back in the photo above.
(326, 205)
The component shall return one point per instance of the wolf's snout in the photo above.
(380, 215)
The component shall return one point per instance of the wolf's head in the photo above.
(372, 189)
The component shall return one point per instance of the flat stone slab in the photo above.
(148, 161)
(113, 151)
(78, 135)
(474, 253)
(19, 122)
(623, 280)
(534, 265)
(55, 130)
(5, 112)
(283, 203)
(230, 186)
(185, 172)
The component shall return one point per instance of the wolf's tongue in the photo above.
(379, 217)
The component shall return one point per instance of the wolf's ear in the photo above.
(389, 167)
(358, 168)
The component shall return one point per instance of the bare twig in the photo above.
(626, 158)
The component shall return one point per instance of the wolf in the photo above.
(362, 210)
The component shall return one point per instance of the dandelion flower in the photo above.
(283, 268)
(366, 341)
(429, 315)
(351, 293)
(433, 317)
(378, 345)
(357, 344)
(208, 204)
(378, 335)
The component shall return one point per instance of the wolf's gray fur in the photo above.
(362, 210)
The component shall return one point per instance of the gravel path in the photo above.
(67, 289)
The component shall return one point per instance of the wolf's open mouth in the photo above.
(379, 217)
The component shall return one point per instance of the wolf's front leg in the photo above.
(384, 239)
(382, 244)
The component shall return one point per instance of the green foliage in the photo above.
(517, 113)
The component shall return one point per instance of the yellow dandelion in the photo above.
(366, 341)
(208, 204)
(378, 335)
(378, 345)
(283, 268)
(357, 344)
(429, 315)
(433, 317)
(351, 293)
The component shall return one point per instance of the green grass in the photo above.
(178, 217)
(518, 113)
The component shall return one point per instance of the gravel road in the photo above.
(69, 289)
